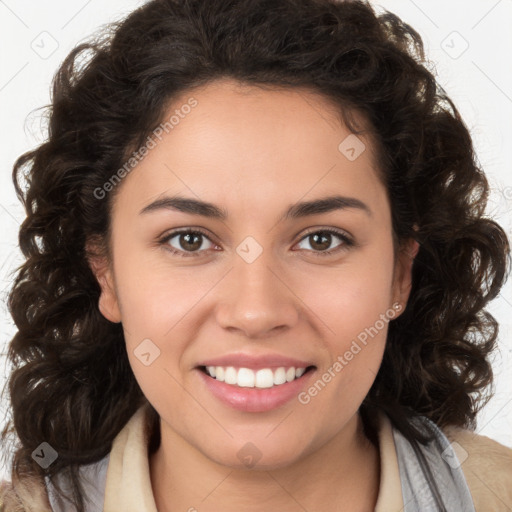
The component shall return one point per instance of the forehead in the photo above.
(243, 141)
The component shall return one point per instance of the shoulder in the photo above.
(487, 467)
(29, 495)
(9, 501)
(33, 495)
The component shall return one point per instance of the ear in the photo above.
(403, 271)
(98, 262)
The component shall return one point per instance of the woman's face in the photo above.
(281, 284)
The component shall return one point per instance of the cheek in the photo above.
(354, 305)
(353, 295)
(355, 310)
(160, 308)
(156, 311)
(154, 296)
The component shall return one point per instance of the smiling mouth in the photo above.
(263, 378)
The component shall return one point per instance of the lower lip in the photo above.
(255, 399)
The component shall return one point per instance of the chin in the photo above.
(257, 456)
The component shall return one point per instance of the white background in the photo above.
(469, 44)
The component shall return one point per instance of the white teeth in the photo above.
(230, 376)
(299, 372)
(247, 378)
(264, 378)
(279, 376)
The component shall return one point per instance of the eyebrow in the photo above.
(295, 211)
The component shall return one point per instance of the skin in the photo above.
(255, 152)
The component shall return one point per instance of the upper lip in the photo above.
(255, 361)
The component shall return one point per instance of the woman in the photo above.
(257, 272)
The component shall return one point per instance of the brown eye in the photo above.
(183, 242)
(190, 241)
(321, 240)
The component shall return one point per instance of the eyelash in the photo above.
(347, 241)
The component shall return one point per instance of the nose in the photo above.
(256, 301)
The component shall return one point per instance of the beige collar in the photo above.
(128, 484)
(390, 490)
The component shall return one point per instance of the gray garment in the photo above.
(93, 477)
(425, 487)
(431, 477)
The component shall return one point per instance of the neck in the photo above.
(345, 470)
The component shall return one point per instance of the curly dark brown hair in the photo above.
(71, 383)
